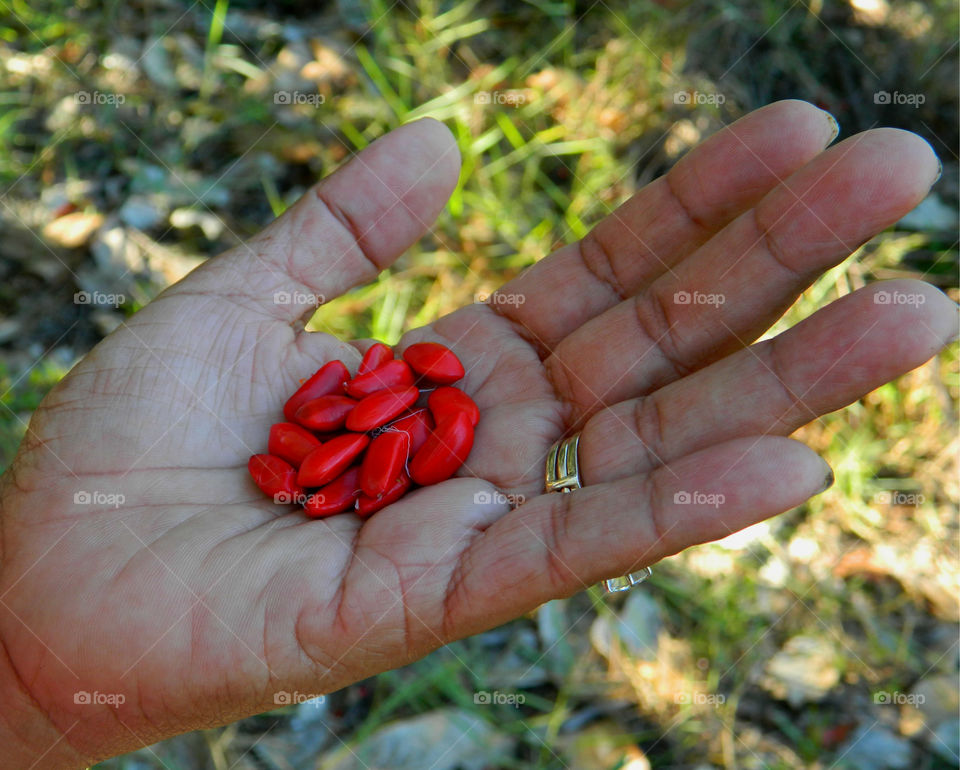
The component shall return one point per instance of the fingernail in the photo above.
(939, 172)
(834, 127)
(828, 479)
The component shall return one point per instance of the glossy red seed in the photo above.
(376, 356)
(435, 362)
(366, 505)
(446, 400)
(385, 459)
(417, 425)
(380, 408)
(337, 496)
(323, 465)
(391, 376)
(275, 477)
(328, 379)
(291, 442)
(444, 452)
(325, 413)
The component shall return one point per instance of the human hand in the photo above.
(197, 599)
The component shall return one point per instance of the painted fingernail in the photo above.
(834, 127)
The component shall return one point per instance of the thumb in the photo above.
(344, 230)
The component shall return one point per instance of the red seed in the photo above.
(417, 425)
(367, 505)
(275, 477)
(436, 362)
(323, 465)
(325, 413)
(291, 442)
(380, 408)
(337, 496)
(385, 459)
(391, 376)
(444, 452)
(376, 356)
(328, 379)
(446, 400)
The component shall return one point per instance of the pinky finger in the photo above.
(558, 544)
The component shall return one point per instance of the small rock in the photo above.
(106, 321)
(945, 741)
(141, 212)
(931, 215)
(637, 625)
(603, 745)
(115, 253)
(155, 62)
(9, 329)
(446, 739)
(803, 670)
(874, 748)
(553, 627)
(211, 225)
(72, 230)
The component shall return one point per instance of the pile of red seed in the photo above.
(363, 442)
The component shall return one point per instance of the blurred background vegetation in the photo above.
(138, 138)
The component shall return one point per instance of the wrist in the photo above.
(29, 737)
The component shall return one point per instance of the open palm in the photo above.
(139, 560)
